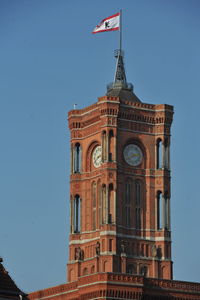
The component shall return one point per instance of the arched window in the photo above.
(166, 211)
(166, 154)
(159, 154)
(104, 147)
(104, 204)
(77, 217)
(72, 159)
(99, 201)
(159, 210)
(77, 158)
(128, 203)
(110, 146)
(71, 214)
(94, 204)
(138, 200)
(110, 203)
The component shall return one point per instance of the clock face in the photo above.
(132, 155)
(96, 156)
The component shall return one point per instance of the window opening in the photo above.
(77, 214)
(159, 210)
(77, 158)
(138, 204)
(94, 204)
(159, 153)
(128, 203)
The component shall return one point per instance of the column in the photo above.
(115, 208)
(163, 155)
(71, 159)
(169, 221)
(102, 147)
(72, 215)
(168, 154)
(115, 148)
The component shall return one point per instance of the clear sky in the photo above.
(49, 60)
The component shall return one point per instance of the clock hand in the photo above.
(133, 155)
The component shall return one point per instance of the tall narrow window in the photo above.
(72, 159)
(110, 146)
(77, 158)
(166, 211)
(128, 203)
(99, 203)
(159, 153)
(77, 223)
(166, 154)
(167, 251)
(159, 210)
(110, 203)
(103, 201)
(71, 214)
(138, 204)
(94, 205)
(147, 250)
(110, 244)
(104, 152)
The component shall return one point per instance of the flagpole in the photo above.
(118, 52)
(120, 32)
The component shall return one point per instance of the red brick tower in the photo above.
(120, 240)
(120, 185)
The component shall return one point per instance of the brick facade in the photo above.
(120, 233)
(119, 123)
(120, 286)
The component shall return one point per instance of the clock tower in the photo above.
(120, 185)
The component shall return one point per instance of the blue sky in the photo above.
(49, 60)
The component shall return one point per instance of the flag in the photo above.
(108, 24)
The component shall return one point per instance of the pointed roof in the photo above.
(7, 285)
(120, 88)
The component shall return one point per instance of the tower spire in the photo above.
(120, 75)
(120, 87)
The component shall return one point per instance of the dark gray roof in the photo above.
(122, 90)
(125, 95)
(7, 285)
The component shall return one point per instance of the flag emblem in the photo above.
(108, 24)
